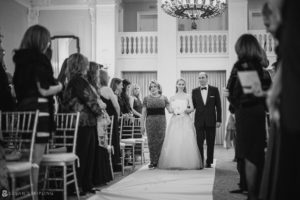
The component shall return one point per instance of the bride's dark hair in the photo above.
(184, 89)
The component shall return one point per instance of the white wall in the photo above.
(69, 22)
(13, 24)
(130, 14)
(255, 5)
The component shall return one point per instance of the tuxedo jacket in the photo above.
(210, 113)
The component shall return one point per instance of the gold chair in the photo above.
(110, 148)
(19, 131)
(122, 146)
(126, 137)
(140, 140)
(61, 153)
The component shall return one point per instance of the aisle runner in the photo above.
(159, 184)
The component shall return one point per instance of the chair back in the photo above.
(65, 135)
(109, 131)
(126, 129)
(18, 130)
(137, 128)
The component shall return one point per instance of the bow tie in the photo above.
(203, 88)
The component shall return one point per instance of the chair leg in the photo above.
(13, 188)
(45, 179)
(133, 157)
(76, 183)
(110, 164)
(33, 192)
(123, 161)
(65, 181)
(142, 154)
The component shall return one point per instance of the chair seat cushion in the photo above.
(16, 167)
(140, 140)
(58, 150)
(59, 157)
(128, 141)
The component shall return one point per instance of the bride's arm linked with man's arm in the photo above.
(190, 107)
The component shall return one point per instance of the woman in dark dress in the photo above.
(124, 98)
(102, 172)
(271, 184)
(113, 109)
(154, 121)
(35, 86)
(80, 97)
(250, 111)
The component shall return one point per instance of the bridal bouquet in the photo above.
(178, 107)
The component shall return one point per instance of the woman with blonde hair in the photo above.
(135, 100)
(154, 120)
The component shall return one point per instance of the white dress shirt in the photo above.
(204, 93)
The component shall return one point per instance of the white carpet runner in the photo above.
(157, 184)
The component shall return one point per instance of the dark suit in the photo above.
(206, 116)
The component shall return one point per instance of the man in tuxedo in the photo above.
(207, 104)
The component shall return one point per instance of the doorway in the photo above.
(146, 21)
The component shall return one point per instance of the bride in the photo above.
(180, 149)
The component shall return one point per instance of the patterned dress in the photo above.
(155, 124)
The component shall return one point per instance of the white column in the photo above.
(237, 25)
(166, 57)
(33, 16)
(92, 13)
(106, 34)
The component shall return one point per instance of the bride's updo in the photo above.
(184, 89)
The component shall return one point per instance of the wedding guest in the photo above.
(62, 77)
(269, 185)
(80, 97)
(124, 98)
(283, 102)
(113, 109)
(154, 120)
(135, 101)
(7, 102)
(250, 112)
(35, 86)
(116, 85)
(102, 172)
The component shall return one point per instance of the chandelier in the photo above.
(193, 9)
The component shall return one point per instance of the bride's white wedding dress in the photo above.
(180, 149)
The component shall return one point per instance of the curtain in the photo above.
(217, 79)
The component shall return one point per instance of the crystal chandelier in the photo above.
(193, 9)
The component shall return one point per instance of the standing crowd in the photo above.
(81, 86)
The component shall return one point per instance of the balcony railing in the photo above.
(202, 43)
(137, 44)
(265, 40)
(189, 43)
